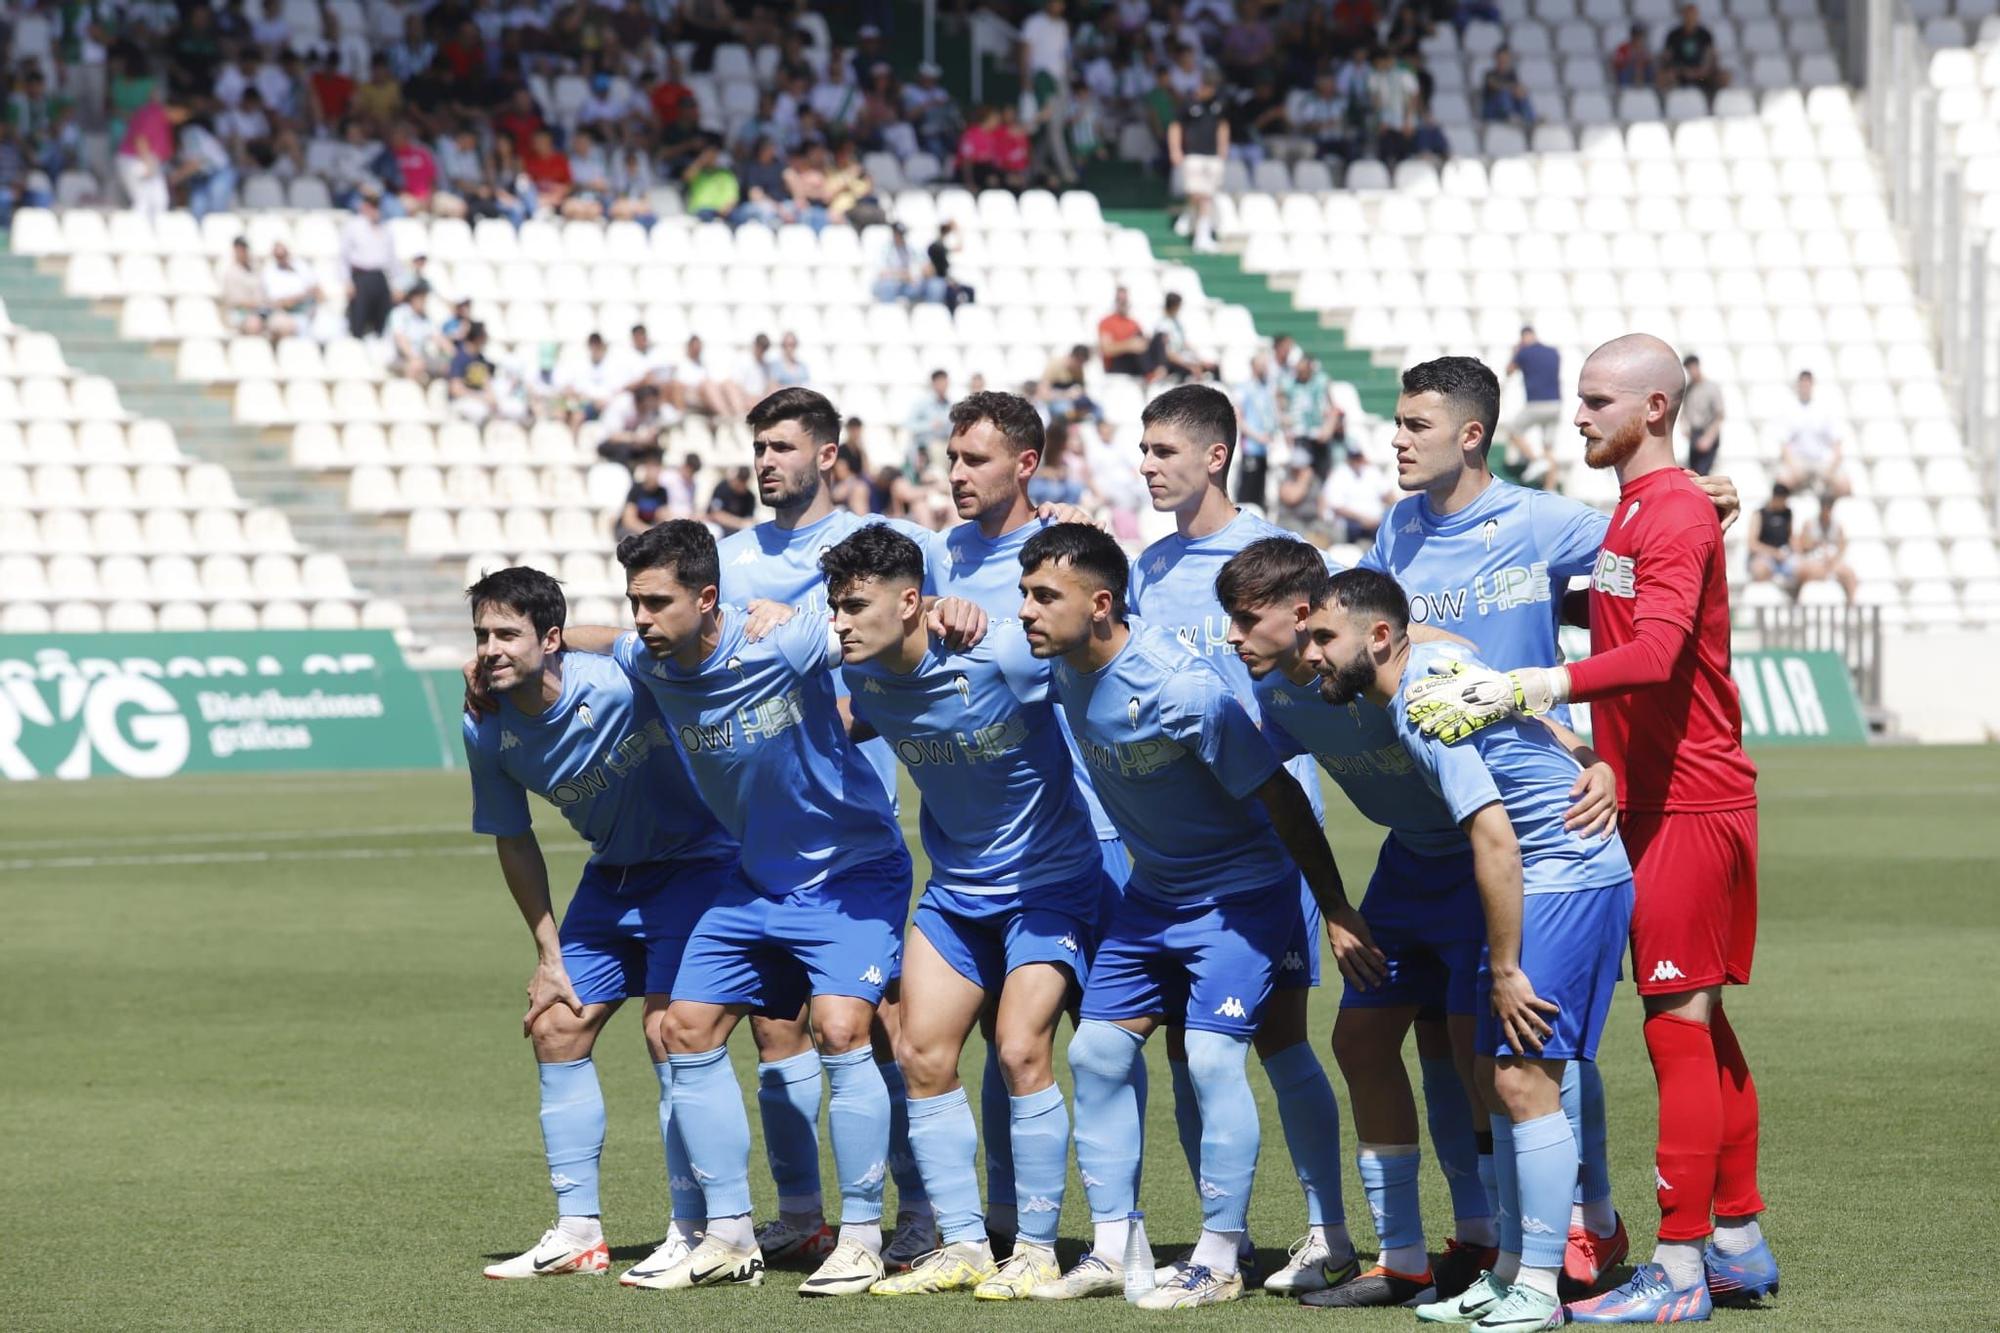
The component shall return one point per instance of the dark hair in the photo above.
(524, 591)
(810, 409)
(1272, 570)
(874, 551)
(1087, 549)
(1690, 360)
(1466, 383)
(1013, 416)
(1202, 412)
(681, 545)
(1370, 593)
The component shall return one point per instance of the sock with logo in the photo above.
(1389, 1177)
(1449, 1116)
(689, 1209)
(1041, 1161)
(572, 1133)
(858, 1122)
(995, 1113)
(1187, 1115)
(705, 1094)
(944, 1141)
(1736, 1192)
(1545, 1166)
(1583, 1104)
(1690, 1123)
(1311, 1121)
(910, 1193)
(1507, 1188)
(1229, 1132)
(788, 1097)
(1108, 1129)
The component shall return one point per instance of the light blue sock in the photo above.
(1452, 1142)
(1489, 1182)
(1545, 1166)
(1311, 1121)
(1040, 1125)
(572, 1133)
(1109, 1130)
(1593, 1180)
(910, 1195)
(858, 1118)
(788, 1096)
(1229, 1129)
(706, 1095)
(994, 1114)
(1508, 1186)
(1187, 1115)
(1390, 1180)
(688, 1203)
(944, 1141)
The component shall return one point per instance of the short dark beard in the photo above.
(1613, 450)
(798, 500)
(1351, 681)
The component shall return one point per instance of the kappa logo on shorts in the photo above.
(873, 976)
(1232, 1008)
(1293, 963)
(1664, 970)
(1068, 942)
(1659, 1180)
(508, 740)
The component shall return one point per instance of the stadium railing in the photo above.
(1853, 632)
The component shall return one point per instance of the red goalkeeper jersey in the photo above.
(1664, 710)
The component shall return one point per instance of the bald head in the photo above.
(1642, 364)
(1628, 394)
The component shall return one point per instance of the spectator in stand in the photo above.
(1299, 487)
(1320, 116)
(1063, 475)
(590, 382)
(1395, 96)
(1822, 551)
(520, 122)
(648, 501)
(1688, 58)
(1540, 368)
(1809, 450)
(939, 253)
(751, 373)
(645, 362)
(785, 369)
(929, 105)
(417, 172)
(417, 350)
(929, 423)
(368, 254)
(473, 384)
(1260, 126)
(1015, 150)
(716, 395)
(1183, 362)
(850, 193)
(1356, 497)
(380, 100)
(733, 506)
(634, 423)
(1249, 45)
(291, 295)
(1632, 63)
(1198, 145)
(1701, 416)
(1044, 54)
(205, 169)
(712, 188)
(1115, 479)
(1314, 419)
(244, 305)
(1258, 431)
(1122, 344)
(1503, 98)
(1771, 541)
(547, 170)
(1061, 389)
(807, 187)
(761, 187)
(902, 274)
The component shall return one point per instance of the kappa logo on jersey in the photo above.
(508, 740)
(1281, 700)
(1616, 575)
(873, 976)
(1413, 527)
(1158, 567)
(583, 714)
(1232, 1008)
(1664, 970)
(873, 686)
(746, 556)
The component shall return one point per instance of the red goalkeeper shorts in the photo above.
(1694, 913)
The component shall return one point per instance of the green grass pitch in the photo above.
(262, 1069)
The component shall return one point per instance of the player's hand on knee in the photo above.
(960, 623)
(762, 616)
(1354, 950)
(479, 699)
(1524, 1016)
(1593, 811)
(547, 988)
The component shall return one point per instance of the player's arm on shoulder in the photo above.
(1496, 869)
(959, 622)
(527, 876)
(598, 639)
(1593, 810)
(1669, 576)
(808, 644)
(1299, 829)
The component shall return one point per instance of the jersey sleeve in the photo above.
(1376, 557)
(1672, 565)
(499, 803)
(1568, 533)
(1027, 676)
(629, 653)
(807, 643)
(1456, 772)
(1199, 710)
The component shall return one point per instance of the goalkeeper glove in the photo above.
(1462, 699)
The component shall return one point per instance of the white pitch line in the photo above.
(222, 839)
(247, 858)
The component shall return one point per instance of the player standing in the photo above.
(1211, 909)
(1557, 904)
(829, 884)
(1009, 914)
(795, 438)
(572, 729)
(1190, 434)
(1666, 716)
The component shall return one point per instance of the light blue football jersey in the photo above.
(1519, 763)
(1173, 587)
(601, 755)
(1494, 572)
(1175, 757)
(762, 732)
(987, 572)
(1358, 747)
(976, 729)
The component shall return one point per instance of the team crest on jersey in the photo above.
(1488, 531)
(1132, 710)
(583, 713)
(1630, 514)
(964, 688)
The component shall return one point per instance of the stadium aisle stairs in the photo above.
(1223, 278)
(376, 555)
